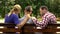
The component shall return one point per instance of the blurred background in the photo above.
(7, 5)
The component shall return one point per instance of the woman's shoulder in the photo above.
(14, 15)
(11, 15)
(6, 15)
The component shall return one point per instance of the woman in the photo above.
(12, 17)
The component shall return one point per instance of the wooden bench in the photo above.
(29, 28)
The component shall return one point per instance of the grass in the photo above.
(1, 18)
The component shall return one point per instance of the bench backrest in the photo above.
(29, 28)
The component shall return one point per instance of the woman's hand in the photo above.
(19, 26)
(28, 16)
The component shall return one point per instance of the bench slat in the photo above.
(27, 30)
(10, 30)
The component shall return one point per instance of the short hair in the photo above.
(44, 7)
(28, 8)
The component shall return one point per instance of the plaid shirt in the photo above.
(47, 18)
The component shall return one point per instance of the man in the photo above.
(47, 18)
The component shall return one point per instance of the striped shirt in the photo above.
(47, 18)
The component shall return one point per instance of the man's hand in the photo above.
(33, 18)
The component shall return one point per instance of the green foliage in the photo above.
(53, 5)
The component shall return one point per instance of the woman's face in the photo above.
(17, 12)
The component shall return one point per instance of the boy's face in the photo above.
(29, 12)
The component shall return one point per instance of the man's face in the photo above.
(42, 11)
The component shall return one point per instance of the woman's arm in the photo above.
(23, 22)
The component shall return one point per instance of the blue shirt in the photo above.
(13, 18)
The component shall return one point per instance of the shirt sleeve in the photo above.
(43, 23)
(53, 19)
(16, 19)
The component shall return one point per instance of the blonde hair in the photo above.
(16, 7)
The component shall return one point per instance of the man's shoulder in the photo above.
(49, 14)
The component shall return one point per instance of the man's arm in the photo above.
(43, 23)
